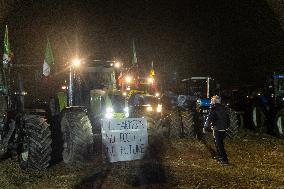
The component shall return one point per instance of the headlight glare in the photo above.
(126, 111)
(109, 113)
(149, 109)
(159, 108)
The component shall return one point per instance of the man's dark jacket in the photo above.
(218, 117)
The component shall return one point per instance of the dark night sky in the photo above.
(234, 41)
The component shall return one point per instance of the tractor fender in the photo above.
(278, 125)
(57, 103)
(74, 109)
(258, 114)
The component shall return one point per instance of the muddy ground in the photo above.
(257, 161)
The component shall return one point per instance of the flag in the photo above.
(7, 50)
(48, 59)
(134, 58)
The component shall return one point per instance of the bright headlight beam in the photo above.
(126, 111)
(150, 80)
(117, 65)
(128, 79)
(76, 62)
(159, 108)
(149, 108)
(109, 113)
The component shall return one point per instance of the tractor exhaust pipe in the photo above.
(70, 87)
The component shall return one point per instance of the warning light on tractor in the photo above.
(159, 108)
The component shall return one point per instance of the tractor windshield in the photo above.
(196, 88)
(96, 77)
(150, 100)
(280, 86)
(118, 102)
(141, 100)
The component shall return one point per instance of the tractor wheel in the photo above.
(187, 129)
(163, 127)
(153, 122)
(279, 124)
(174, 123)
(77, 136)
(236, 122)
(153, 126)
(258, 119)
(35, 152)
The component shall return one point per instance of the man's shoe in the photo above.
(218, 158)
(224, 163)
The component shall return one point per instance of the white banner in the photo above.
(125, 139)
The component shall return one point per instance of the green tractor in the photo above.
(24, 132)
(91, 96)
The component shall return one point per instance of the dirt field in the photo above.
(257, 161)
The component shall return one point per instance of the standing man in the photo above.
(219, 120)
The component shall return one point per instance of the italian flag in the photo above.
(7, 50)
(48, 59)
(134, 58)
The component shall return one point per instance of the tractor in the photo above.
(187, 112)
(146, 106)
(266, 111)
(142, 96)
(24, 132)
(90, 96)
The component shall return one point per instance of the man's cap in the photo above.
(217, 98)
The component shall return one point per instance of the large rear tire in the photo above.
(174, 123)
(279, 124)
(152, 125)
(35, 153)
(236, 121)
(153, 121)
(187, 129)
(77, 136)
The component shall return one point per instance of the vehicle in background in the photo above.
(266, 112)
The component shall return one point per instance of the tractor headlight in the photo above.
(76, 62)
(117, 65)
(126, 111)
(159, 108)
(109, 113)
(149, 109)
(128, 79)
(150, 80)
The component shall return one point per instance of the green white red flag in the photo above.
(48, 59)
(7, 50)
